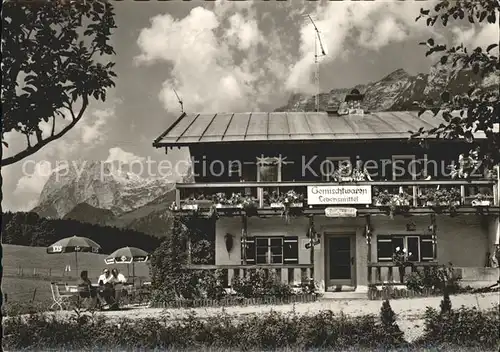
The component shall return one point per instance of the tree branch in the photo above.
(31, 150)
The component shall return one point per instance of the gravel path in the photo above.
(409, 311)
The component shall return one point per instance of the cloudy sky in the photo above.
(229, 56)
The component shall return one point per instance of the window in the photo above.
(268, 169)
(334, 163)
(272, 250)
(268, 172)
(420, 247)
(403, 167)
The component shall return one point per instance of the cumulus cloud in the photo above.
(235, 58)
(368, 24)
(120, 155)
(88, 133)
(477, 35)
(220, 61)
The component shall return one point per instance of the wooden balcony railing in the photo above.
(389, 273)
(468, 191)
(290, 274)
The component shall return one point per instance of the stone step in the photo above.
(344, 295)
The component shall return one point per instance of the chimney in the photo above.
(352, 104)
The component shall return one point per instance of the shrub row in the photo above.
(325, 330)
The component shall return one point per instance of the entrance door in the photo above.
(340, 261)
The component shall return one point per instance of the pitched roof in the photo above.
(195, 128)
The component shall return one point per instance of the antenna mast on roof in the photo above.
(179, 99)
(317, 39)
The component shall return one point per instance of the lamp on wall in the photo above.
(411, 226)
(368, 230)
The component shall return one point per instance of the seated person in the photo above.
(117, 279)
(106, 289)
(85, 288)
(104, 278)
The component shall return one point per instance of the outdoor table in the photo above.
(72, 289)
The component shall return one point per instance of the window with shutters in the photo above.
(420, 247)
(271, 250)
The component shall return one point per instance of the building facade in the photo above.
(334, 195)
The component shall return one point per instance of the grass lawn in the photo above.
(21, 288)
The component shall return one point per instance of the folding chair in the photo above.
(60, 295)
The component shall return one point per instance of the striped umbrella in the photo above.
(127, 255)
(74, 244)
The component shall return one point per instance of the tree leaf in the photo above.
(491, 47)
(430, 42)
(445, 97)
(469, 138)
(444, 60)
(482, 16)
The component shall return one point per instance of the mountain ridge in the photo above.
(398, 90)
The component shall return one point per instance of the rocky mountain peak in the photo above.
(398, 90)
(103, 185)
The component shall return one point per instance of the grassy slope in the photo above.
(36, 257)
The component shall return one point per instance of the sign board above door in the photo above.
(351, 194)
(341, 212)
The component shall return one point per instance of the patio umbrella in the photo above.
(127, 255)
(74, 244)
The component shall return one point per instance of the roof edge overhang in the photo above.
(159, 144)
(156, 142)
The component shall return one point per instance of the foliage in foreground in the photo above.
(55, 59)
(479, 110)
(462, 327)
(324, 330)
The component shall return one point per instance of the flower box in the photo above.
(296, 205)
(431, 204)
(189, 207)
(228, 206)
(277, 205)
(345, 179)
(481, 203)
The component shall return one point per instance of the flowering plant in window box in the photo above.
(290, 202)
(441, 198)
(482, 200)
(222, 201)
(395, 203)
(290, 199)
(467, 165)
(190, 204)
(346, 174)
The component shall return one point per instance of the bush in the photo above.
(18, 308)
(435, 278)
(256, 332)
(388, 319)
(466, 327)
(258, 284)
(171, 279)
(445, 304)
